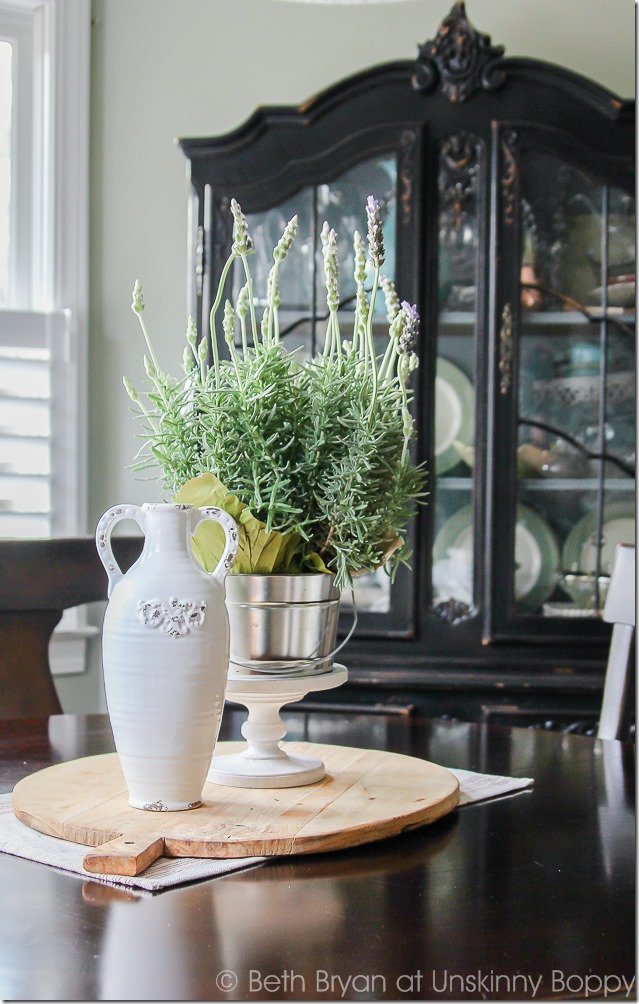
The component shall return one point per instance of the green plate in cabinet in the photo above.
(454, 414)
(580, 550)
(536, 553)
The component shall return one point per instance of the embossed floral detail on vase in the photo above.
(176, 618)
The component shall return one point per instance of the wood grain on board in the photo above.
(366, 795)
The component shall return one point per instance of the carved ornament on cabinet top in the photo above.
(460, 57)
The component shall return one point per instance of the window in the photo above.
(44, 91)
(44, 116)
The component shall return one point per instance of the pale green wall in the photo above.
(168, 68)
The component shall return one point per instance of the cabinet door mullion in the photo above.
(502, 385)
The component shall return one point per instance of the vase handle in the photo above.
(103, 538)
(229, 526)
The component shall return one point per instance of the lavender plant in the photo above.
(311, 457)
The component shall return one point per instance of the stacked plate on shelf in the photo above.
(536, 558)
(579, 555)
(454, 414)
(540, 565)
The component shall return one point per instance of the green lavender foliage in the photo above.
(317, 448)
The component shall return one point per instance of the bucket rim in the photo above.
(282, 587)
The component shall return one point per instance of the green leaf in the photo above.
(313, 563)
(258, 550)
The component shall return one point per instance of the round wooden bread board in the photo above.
(366, 795)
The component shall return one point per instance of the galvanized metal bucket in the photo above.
(282, 623)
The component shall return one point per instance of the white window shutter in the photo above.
(38, 424)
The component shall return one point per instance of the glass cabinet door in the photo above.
(575, 447)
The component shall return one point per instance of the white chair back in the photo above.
(620, 610)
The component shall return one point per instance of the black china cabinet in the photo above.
(507, 187)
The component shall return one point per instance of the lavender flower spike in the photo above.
(228, 323)
(243, 242)
(375, 232)
(191, 332)
(329, 252)
(408, 337)
(391, 298)
(188, 362)
(272, 287)
(285, 241)
(137, 302)
(359, 252)
(130, 389)
(242, 304)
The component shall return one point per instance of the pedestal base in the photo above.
(264, 764)
(242, 771)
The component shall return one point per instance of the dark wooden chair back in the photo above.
(39, 580)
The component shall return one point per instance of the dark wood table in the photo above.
(530, 896)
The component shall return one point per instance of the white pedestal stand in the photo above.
(264, 764)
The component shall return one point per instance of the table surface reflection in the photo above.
(526, 897)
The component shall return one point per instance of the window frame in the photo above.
(53, 243)
(50, 129)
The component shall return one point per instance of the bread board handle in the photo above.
(124, 855)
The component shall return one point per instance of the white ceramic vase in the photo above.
(165, 652)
